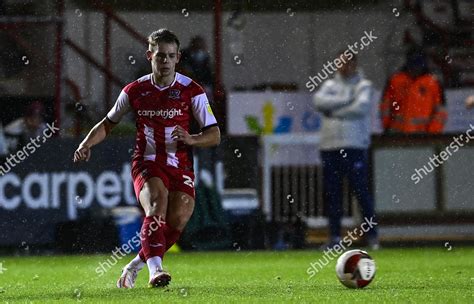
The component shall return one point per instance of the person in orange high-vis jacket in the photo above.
(413, 100)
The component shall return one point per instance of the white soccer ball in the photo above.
(355, 269)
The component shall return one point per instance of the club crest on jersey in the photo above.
(174, 94)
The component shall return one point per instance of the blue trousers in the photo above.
(354, 164)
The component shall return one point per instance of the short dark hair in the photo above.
(162, 35)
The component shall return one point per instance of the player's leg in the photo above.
(154, 200)
(358, 174)
(180, 209)
(332, 189)
(180, 204)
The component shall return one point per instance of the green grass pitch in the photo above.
(421, 275)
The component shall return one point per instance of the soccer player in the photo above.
(164, 103)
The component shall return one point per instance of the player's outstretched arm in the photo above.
(95, 136)
(207, 138)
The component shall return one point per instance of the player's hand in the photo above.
(470, 102)
(179, 133)
(82, 153)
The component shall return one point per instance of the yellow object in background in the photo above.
(268, 111)
(174, 249)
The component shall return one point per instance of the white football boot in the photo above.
(128, 278)
(160, 279)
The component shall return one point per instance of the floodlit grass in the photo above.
(424, 275)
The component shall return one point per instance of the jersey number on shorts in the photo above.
(188, 181)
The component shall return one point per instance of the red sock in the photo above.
(152, 238)
(172, 236)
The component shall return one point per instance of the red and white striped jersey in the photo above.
(158, 110)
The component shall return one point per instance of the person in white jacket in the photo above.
(345, 105)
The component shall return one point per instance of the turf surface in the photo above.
(425, 275)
